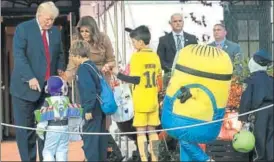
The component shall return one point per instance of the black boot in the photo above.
(135, 156)
(114, 154)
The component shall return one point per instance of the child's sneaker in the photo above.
(210, 159)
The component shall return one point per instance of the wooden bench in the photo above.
(223, 151)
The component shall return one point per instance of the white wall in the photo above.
(87, 8)
(156, 14)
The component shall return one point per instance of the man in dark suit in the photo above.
(168, 47)
(233, 49)
(171, 43)
(38, 54)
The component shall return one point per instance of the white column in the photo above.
(123, 32)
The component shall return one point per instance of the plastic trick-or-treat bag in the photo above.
(123, 98)
(75, 125)
(75, 122)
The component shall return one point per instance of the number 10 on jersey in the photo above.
(150, 79)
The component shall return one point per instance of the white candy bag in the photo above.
(123, 98)
(75, 125)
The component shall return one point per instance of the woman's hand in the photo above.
(64, 76)
(60, 72)
(106, 68)
(115, 71)
(88, 116)
(163, 135)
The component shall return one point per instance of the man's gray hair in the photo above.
(176, 14)
(47, 7)
(221, 25)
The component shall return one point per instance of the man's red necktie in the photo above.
(47, 54)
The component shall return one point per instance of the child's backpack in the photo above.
(106, 98)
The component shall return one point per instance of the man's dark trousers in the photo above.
(264, 135)
(30, 61)
(23, 111)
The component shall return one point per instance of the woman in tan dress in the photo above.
(102, 53)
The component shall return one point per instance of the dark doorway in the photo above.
(14, 12)
(8, 25)
(8, 28)
(248, 23)
(6, 68)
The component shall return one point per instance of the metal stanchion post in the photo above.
(124, 61)
(127, 148)
(72, 82)
(123, 24)
(1, 129)
(1, 112)
(119, 140)
(116, 33)
(98, 15)
(105, 17)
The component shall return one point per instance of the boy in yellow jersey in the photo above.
(145, 73)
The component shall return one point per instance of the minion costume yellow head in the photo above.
(198, 91)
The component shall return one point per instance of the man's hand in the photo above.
(34, 84)
(88, 116)
(60, 72)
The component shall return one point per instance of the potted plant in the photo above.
(237, 83)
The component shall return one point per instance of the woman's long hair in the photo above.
(95, 34)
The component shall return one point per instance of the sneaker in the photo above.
(210, 159)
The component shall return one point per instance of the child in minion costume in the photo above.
(197, 93)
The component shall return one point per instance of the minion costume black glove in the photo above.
(185, 95)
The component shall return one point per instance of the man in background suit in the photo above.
(38, 54)
(170, 44)
(233, 49)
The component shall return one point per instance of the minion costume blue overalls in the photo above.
(197, 93)
(259, 93)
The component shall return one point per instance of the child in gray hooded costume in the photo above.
(257, 94)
